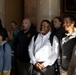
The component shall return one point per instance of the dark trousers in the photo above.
(14, 70)
(49, 70)
(23, 68)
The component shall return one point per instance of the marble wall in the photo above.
(36, 10)
(2, 12)
(14, 11)
(30, 10)
(47, 9)
(11, 10)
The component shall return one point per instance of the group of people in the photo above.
(52, 51)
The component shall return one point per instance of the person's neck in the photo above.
(13, 29)
(70, 31)
(26, 30)
(58, 27)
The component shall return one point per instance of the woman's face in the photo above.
(56, 23)
(1, 39)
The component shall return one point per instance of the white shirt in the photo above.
(42, 51)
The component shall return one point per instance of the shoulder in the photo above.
(55, 37)
(20, 32)
(3, 29)
(74, 50)
(6, 45)
(35, 36)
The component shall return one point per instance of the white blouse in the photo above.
(42, 51)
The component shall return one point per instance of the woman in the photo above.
(59, 32)
(5, 55)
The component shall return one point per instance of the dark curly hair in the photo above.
(2, 34)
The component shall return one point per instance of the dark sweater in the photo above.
(23, 40)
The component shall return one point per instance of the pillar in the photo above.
(47, 9)
(2, 12)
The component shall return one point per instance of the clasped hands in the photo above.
(39, 65)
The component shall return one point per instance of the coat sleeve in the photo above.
(7, 58)
(31, 51)
(72, 63)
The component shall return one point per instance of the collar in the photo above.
(73, 34)
(45, 34)
(3, 42)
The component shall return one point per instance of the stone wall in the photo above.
(2, 12)
(47, 9)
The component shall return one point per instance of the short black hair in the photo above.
(2, 34)
(71, 17)
(1, 24)
(46, 21)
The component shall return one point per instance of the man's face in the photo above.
(68, 24)
(26, 24)
(45, 27)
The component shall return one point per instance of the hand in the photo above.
(42, 66)
(4, 73)
(39, 66)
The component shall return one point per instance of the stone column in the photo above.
(30, 10)
(47, 9)
(2, 12)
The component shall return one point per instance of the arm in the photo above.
(10, 35)
(7, 58)
(31, 52)
(72, 63)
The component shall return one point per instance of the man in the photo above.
(68, 42)
(72, 65)
(23, 40)
(42, 52)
